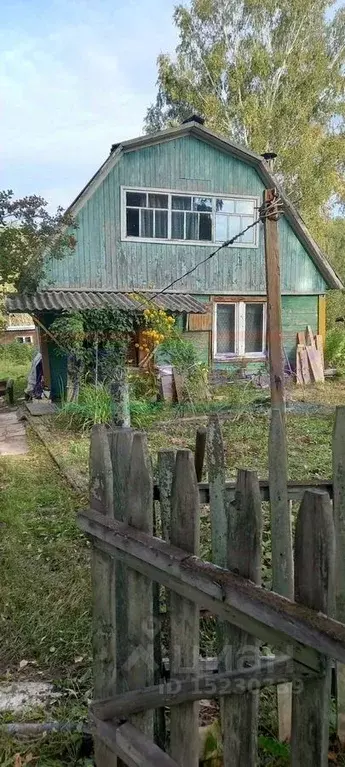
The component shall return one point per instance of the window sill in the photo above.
(203, 243)
(240, 360)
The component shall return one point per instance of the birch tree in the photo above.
(269, 75)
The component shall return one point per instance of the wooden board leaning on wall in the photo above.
(309, 358)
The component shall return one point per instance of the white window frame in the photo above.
(240, 330)
(24, 339)
(184, 193)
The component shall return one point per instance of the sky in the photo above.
(75, 77)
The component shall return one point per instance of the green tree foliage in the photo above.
(332, 239)
(95, 338)
(269, 75)
(29, 237)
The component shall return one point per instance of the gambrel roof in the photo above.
(256, 161)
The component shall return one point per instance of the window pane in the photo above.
(132, 222)
(136, 199)
(181, 203)
(146, 223)
(177, 226)
(225, 206)
(254, 326)
(245, 206)
(205, 226)
(202, 203)
(249, 236)
(158, 200)
(225, 328)
(234, 225)
(161, 223)
(192, 226)
(221, 228)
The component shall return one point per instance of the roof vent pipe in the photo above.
(194, 119)
(269, 157)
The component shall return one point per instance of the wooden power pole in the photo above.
(274, 311)
(281, 536)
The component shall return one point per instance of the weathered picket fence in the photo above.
(132, 689)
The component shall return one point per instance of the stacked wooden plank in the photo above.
(309, 358)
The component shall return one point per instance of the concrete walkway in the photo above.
(12, 433)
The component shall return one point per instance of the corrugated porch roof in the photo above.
(76, 300)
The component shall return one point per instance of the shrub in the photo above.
(335, 347)
(143, 385)
(179, 353)
(17, 353)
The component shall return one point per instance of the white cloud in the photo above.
(73, 84)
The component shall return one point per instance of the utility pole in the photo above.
(274, 310)
(281, 535)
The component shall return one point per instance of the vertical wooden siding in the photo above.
(101, 260)
(297, 312)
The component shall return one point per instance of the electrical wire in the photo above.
(204, 261)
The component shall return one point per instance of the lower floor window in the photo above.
(24, 339)
(239, 329)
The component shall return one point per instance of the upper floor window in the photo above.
(180, 217)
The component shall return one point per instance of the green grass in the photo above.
(44, 597)
(42, 548)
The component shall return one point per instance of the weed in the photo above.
(93, 406)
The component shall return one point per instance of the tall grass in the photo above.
(94, 406)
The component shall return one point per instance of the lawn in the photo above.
(44, 597)
(245, 422)
(44, 563)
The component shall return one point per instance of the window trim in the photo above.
(240, 326)
(24, 339)
(185, 193)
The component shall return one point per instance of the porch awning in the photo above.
(74, 300)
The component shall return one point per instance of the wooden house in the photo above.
(158, 206)
(20, 328)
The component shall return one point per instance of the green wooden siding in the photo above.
(297, 313)
(57, 361)
(101, 260)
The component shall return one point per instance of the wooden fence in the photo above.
(132, 686)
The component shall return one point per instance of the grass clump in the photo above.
(94, 405)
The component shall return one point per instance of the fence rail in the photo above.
(128, 559)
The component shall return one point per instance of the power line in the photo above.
(264, 213)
